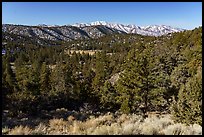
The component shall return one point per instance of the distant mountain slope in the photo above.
(84, 31)
(62, 33)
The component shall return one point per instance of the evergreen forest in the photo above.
(126, 73)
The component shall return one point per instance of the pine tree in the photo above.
(28, 78)
(62, 85)
(188, 107)
(101, 69)
(22, 77)
(58, 80)
(107, 96)
(45, 82)
(139, 83)
(85, 84)
(125, 107)
(180, 76)
(34, 78)
(9, 76)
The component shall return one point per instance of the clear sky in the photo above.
(187, 15)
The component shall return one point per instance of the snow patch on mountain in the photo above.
(151, 30)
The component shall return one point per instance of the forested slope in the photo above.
(156, 74)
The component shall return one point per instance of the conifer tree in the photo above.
(58, 80)
(45, 81)
(62, 86)
(139, 83)
(34, 78)
(107, 96)
(100, 71)
(9, 76)
(22, 77)
(188, 107)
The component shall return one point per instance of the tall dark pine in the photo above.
(101, 69)
(138, 84)
(9, 76)
(45, 81)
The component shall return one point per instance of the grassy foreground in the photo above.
(64, 122)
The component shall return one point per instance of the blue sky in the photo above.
(186, 15)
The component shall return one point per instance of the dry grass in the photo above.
(20, 130)
(5, 130)
(109, 124)
(41, 129)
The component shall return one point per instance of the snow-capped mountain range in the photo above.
(85, 30)
(152, 30)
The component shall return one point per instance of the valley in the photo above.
(121, 74)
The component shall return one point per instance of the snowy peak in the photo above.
(42, 25)
(45, 25)
(90, 24)
(151, 30)
(99, 23)
(80, 25)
